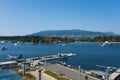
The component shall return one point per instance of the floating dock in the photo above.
(51, 57)
(7, 63)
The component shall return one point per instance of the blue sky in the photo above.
(21, 17)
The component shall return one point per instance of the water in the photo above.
(88, 54)
(9, 75)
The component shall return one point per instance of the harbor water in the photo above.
(88, 54)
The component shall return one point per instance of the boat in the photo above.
(15, 44)
(2, 42)
(63, 44)
(3, 48)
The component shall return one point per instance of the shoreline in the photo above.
(68, 43)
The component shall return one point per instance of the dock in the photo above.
(51, 57)
(38, 59)
(7, 63)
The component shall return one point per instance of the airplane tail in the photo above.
(20, 56)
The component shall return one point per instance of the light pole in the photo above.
(79, 72)
(23, 67)
(39, 74)
(45, 64)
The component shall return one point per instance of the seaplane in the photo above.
(110, 72)
(106, 43)
(108, 67)
(3, 48)
(13, 58)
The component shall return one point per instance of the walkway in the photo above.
(70, 73)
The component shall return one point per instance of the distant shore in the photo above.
(99, 42)
(71, 42)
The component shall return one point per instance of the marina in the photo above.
(46, 65)
(85, 55)
(60, 40)
(42, 62)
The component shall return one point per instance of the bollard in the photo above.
(40, 74)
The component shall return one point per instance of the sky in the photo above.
(21, 17)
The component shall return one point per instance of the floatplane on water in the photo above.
(3, 48)
(106, 43)
(12, 58)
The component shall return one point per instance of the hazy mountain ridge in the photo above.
(75, 33)
(111, 33)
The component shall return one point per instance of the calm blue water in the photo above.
(89, 54)
(9, 75)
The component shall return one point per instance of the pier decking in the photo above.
(51, 57)
(7, 63)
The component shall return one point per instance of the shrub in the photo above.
(27, 76)
(55, 75)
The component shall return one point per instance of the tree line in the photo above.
(37, 39)
(101, 39)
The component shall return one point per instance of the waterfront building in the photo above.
(115, 75)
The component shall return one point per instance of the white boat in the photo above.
(15, 44)
(63, 44)
(2, 42)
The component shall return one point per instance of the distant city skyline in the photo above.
(22, 17)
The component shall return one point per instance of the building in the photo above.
(115, 75)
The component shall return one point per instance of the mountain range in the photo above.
(75, 33)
